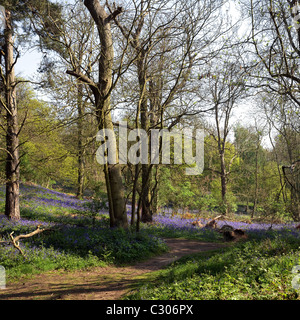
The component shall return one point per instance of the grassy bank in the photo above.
(253, 270)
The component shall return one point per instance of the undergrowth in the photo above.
(253, 270)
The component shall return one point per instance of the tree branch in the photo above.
(15, 241)
(114, 14)
(85, 79)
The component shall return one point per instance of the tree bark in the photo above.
(256, 183)
(223, 183)
(114, 181)
(146, 168)
(12, 207)
(80, 160)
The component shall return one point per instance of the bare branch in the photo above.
(15, 241)
(114, 14)
(85, 79)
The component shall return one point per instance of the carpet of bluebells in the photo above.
(76, 241)
(170, 225)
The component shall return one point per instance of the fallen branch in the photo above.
(15, 241)
(213, 223)
(228, 232)
(16, 244)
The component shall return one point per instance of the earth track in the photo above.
(109, 283)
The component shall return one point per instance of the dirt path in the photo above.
(109, 283)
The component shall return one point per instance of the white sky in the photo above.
(28, 64)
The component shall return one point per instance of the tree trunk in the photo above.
(256, 184)
(134, 193)
(223, 184)
(12, 208)
(146, 168)
(80, 172)
(114, 181)
(113, 173)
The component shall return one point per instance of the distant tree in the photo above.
(248, 144)
(225, 86)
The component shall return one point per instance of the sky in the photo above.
(28, 64)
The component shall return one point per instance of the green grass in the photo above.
(71, 248)
(252, 270)
(43, 260)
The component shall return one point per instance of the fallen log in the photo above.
(231, 234)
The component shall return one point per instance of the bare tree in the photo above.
(9, 103)
(167, 42)
(275, 38)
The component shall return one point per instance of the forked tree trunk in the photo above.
(12, 208)
(114, 181)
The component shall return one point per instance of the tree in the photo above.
(248, 144)
(166, 41)
(74, 48)
(102, 93)
(13, 11)
(275, 40)
(226, 86)
(9, 103)
(282, 117)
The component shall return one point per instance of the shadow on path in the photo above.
(109, 283)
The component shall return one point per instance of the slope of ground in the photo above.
(109, 283)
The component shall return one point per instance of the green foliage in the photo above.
(93, 208)
(44, 259)
(216, 195)
(249, 271)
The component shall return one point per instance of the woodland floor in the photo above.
(109, 283)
